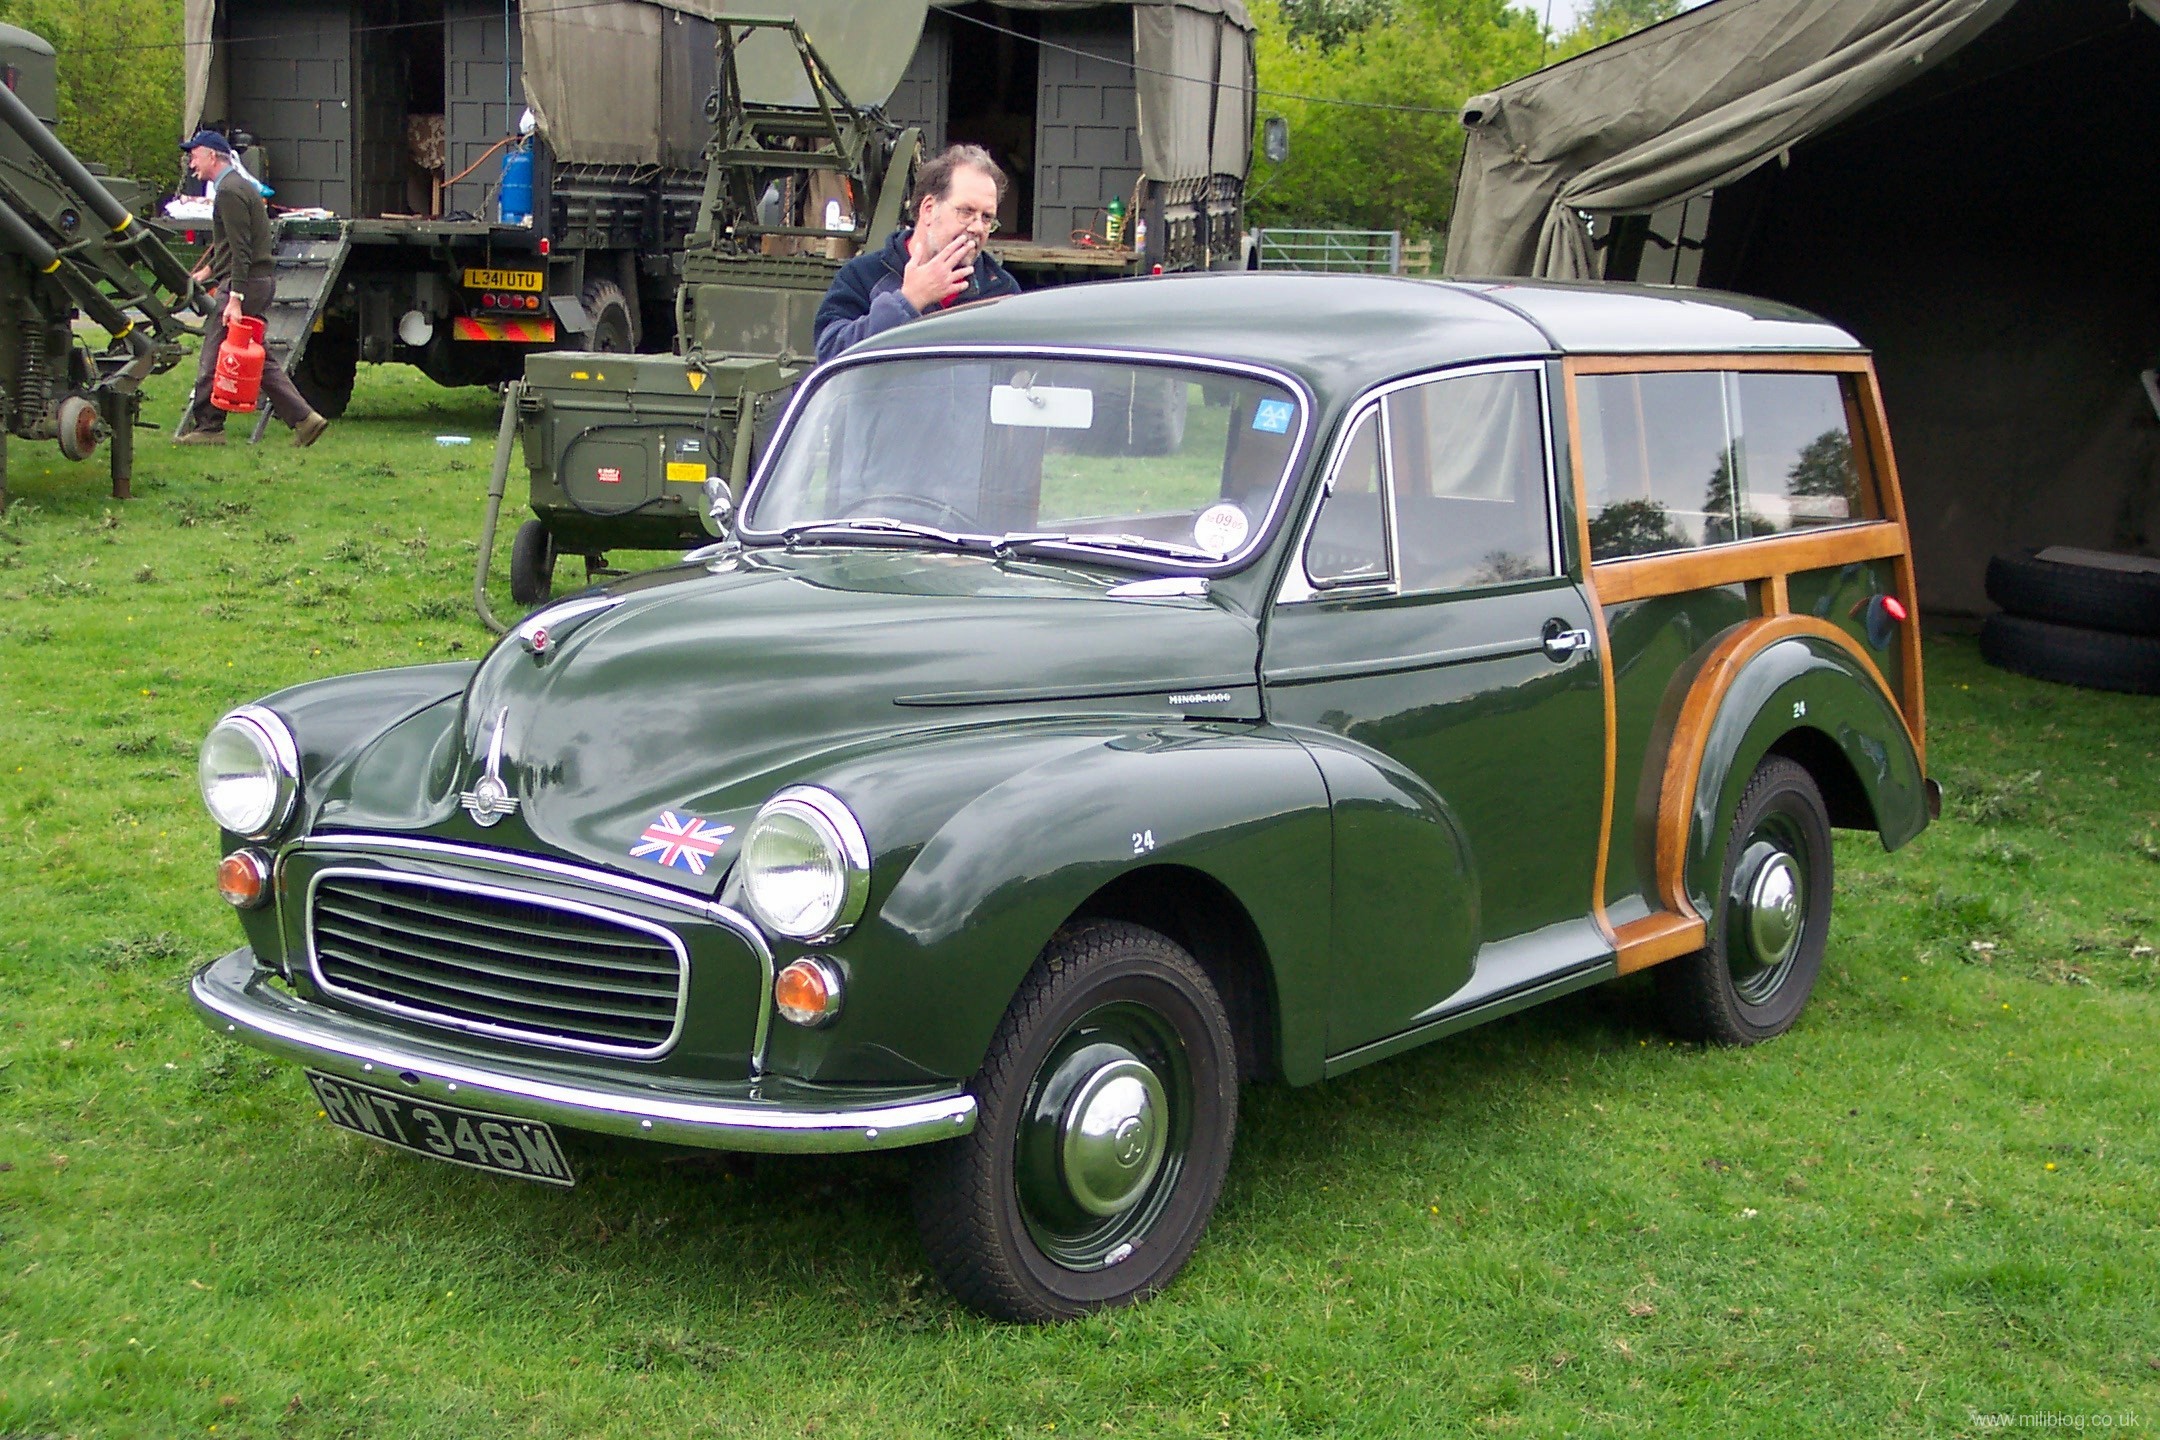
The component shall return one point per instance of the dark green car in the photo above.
(1112, 696)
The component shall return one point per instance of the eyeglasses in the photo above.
(970, 217)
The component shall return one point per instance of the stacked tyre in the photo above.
(2076, 617)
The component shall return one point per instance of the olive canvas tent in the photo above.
(1970, 186)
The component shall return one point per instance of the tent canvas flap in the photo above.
(196, 24)
(1676, 110)
(1189, 58)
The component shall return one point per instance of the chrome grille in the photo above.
(500, 962)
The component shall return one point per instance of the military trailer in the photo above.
(393, 130)
(70, 246)
(1142, 112)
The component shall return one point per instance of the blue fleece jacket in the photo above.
(865, 297)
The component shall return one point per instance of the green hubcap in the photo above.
(1766, 910)
(1103, 1136)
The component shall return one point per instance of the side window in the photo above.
(1349, 536)
(1466, 465)
(1798, 455)
(1678, 461)
(1656, 468)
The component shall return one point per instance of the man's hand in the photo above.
(232, 306)
(932, 278)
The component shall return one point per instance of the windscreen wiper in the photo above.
(876, 528)
(1037, 542)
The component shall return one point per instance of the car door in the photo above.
(1430, 627)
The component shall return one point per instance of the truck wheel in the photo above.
(324, 376)
(614, 326)
(532, 564)
(1771, 920)
(1108, 1106)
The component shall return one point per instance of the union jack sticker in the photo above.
(683, 841)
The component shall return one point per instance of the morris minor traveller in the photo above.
(1112, 696)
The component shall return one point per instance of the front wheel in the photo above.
(1771, 920)
(1107, 1110)
(532, 564)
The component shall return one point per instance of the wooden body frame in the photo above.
(1765, 566)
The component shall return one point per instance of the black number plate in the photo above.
(524, 1148)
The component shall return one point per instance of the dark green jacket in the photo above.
(239, 231)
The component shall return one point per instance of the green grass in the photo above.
(1936, 1197)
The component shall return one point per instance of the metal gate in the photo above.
(1353, 252)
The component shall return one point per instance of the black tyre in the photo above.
(1772, 917)
(1108, 1107)
(532, 564)
(2092, 597)
(324, 376)
(614, 323)
(2068, 655)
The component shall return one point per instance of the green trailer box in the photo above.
(620, 449)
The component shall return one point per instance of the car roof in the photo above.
(1343, 333)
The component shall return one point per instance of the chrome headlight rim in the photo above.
(274, 740)
(827, 815)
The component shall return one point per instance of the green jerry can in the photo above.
(633, 451)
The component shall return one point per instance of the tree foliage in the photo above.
(120, 79)
(1390, 162)
(1329, 23)
(1609, 20)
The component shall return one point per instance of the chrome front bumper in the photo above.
(236, 998)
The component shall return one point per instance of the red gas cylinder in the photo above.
(239, 366)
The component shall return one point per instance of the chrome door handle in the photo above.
(1561, 642)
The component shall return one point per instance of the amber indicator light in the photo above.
(243, 878)
(807, 992)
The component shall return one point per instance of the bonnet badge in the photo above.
(490, 799)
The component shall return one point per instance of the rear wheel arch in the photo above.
(1804, 697)
(1201, 914)
(1843, 795)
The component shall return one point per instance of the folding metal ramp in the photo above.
(310, 255)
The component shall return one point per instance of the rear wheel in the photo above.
(1108, 1106)
(532, 564)
(1771, 920)
(324, 377)
(614, 327)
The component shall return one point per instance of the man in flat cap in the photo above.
(239, 270)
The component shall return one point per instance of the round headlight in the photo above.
(250, 772)
(806, 865)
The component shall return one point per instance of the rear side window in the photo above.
(1681, 460)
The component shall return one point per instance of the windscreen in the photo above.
(1106, 455)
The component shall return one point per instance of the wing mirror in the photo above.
(719, 506)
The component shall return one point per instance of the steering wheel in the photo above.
(951, 517)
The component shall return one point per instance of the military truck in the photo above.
(816, 119)
(384, 127)
(70, 245)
